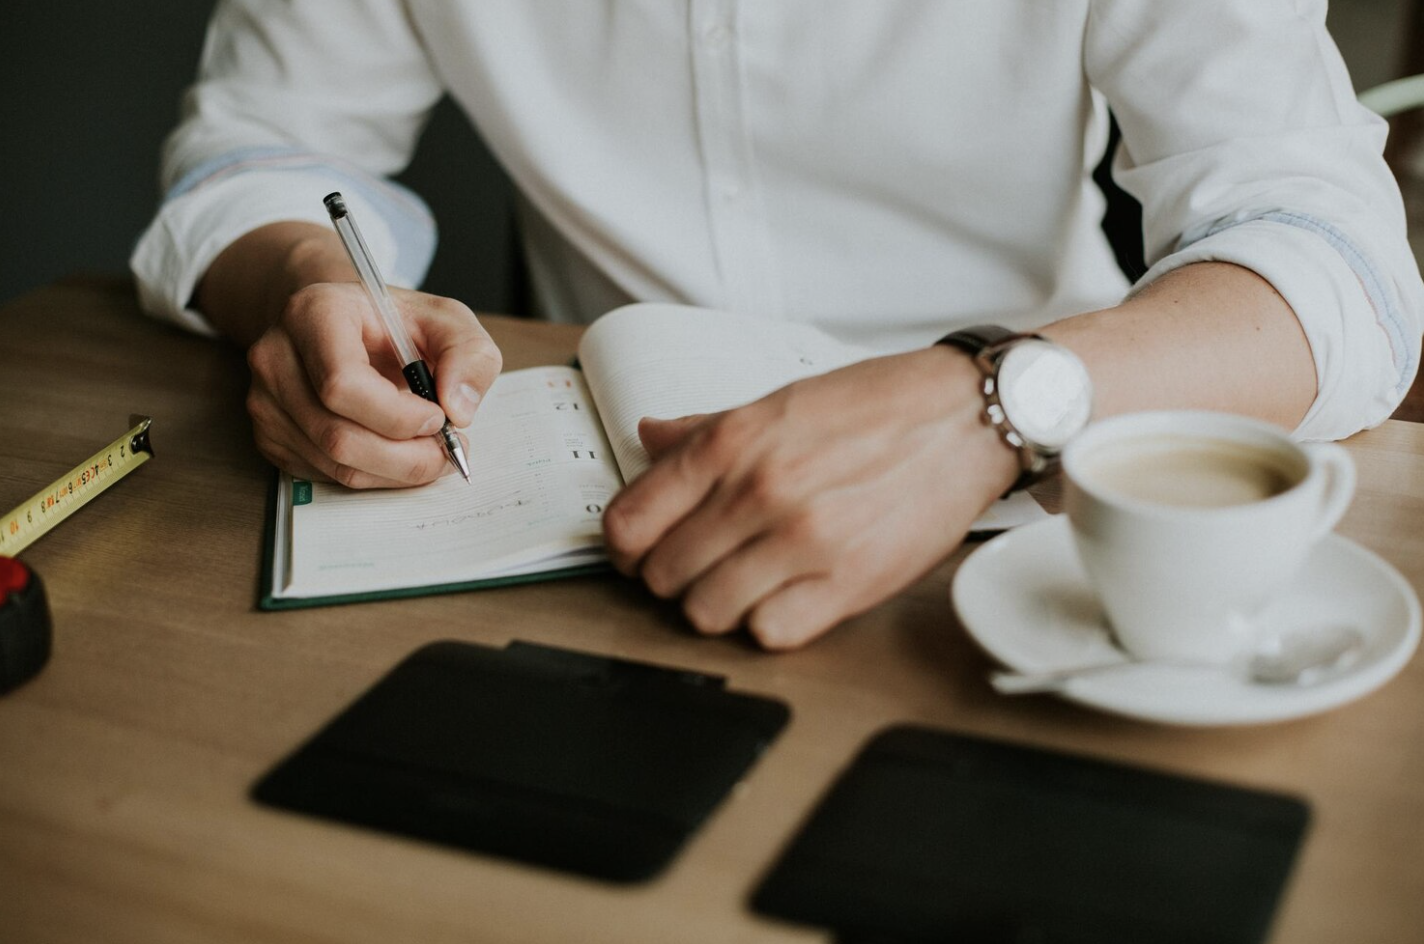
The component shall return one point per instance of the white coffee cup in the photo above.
(1189, 523)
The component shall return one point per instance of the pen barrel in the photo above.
(371, 281)
(420, 380)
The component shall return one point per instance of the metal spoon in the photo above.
(1299, 657)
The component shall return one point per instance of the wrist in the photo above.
(247, 286)
(955, 389)
(310, 255)
(1036, 394)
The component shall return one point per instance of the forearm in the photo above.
(812, 504)
(249, 283)
(1207, 336)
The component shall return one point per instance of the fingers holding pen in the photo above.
(460, 352)
(328, 398)
(290, 419)
(339, 344)
(282, 443)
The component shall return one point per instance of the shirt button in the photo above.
(716, 36)
(731, 192)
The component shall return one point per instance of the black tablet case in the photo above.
(563, 759)
(931, 836)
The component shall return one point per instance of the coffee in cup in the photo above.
(1189, 523)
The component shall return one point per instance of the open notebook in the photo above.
(548, 448)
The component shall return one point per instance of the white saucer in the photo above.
(1025, 599)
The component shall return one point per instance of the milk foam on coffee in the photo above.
(1188, 471)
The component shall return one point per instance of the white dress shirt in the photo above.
(886, 170)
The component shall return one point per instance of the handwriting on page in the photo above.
(538, 480)
(506, 504)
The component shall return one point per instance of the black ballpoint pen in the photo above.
(417, 375)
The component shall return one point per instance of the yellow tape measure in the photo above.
(73, 490)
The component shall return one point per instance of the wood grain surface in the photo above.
(124, 767)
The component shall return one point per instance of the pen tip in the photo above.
(462, 465)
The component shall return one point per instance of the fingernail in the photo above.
(432, 426)
(463, 403)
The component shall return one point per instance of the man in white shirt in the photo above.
(886, 171)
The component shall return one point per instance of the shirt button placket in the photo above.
(736, 227)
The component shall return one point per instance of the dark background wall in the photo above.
(89, 88)
(88, 91)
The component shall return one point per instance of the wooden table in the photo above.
(124, 766)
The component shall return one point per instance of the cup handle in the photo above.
(1339, 470)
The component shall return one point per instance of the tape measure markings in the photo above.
(35, 517)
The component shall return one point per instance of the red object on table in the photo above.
(24, 624)
(14, 576)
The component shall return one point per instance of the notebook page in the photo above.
(540, 476)
(671, 360)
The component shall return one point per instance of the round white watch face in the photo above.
(1045, 392)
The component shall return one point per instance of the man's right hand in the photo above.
(327, 400)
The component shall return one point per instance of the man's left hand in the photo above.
(814, 503)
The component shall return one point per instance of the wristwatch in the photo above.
(1037, 394)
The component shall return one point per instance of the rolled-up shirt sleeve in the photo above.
(1244, 142)
(294, 99)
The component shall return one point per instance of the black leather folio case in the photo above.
(933, 836)
(564, 759)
